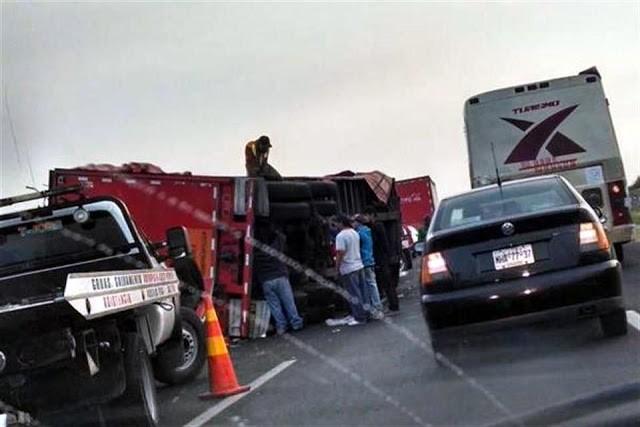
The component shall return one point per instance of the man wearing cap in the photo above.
(366, 253)
(256, 155)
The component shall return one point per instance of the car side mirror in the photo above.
(601, 215)
(178, 242)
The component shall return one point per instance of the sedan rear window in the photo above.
(491, 204)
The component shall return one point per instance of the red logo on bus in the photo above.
(532, 142)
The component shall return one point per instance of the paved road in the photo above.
(384, 373)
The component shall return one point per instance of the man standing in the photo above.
(351, 271)
(256, 155)
(273, 275)
(366, 253)
(381, 255)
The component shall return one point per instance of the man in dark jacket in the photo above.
(381, 254)
(273, 275)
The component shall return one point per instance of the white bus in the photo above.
(560, 126)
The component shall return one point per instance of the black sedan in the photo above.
(525, 251)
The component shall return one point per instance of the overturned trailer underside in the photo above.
(223, 216)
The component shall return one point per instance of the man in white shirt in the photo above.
(351, 271)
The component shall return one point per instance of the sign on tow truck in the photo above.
(99, 294)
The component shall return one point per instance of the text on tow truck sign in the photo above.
(99, 294)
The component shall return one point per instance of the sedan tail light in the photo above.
(592, 237)
(434, 267)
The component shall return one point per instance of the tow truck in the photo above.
(86, 313)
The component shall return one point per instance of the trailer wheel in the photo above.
(290, 211)
(436, 347)
(325, 207)
(193, 358)
(324, 190)
(138, 404)
(288, 191)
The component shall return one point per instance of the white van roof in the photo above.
(541, 86)
(542, 127)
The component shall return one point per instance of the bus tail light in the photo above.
(592, 237)
(619, 209)
(434, 267)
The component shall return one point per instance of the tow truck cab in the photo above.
(80, 293)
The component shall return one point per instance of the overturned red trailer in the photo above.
(222, 214)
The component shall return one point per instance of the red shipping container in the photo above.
(418, 199)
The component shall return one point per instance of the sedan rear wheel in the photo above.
(614, 324)
(436, 343)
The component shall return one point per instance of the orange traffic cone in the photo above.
(222, 376)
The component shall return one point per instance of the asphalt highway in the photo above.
(384, 373)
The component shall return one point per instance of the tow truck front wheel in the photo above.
(193, 357)
(138, 405)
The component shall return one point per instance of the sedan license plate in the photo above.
(513, 257)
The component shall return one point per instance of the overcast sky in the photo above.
(360, 87)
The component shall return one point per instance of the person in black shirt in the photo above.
(381, 254)
(273, 276)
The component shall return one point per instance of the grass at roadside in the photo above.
(635, 217)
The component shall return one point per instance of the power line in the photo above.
(13, 136)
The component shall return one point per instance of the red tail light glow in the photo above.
(588, 233)
(592, 237)
(436, 263)
(434, 266)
